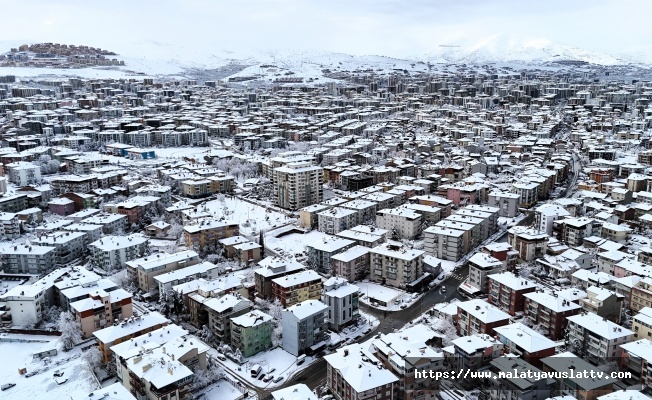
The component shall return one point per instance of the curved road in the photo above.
(315, 375)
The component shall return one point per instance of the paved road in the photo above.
(315, 375)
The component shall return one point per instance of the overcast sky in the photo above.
(400, 28)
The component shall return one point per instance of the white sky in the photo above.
(400, 28)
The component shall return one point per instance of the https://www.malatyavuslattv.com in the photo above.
(514, 374)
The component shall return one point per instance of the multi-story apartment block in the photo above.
(506, 202)
(297, 287)
(475, 351)
(304, 325)
(205, 234)
(576, 386)
(337, 219)
(205, 270)
(13, 203)
(396, 266)
(401, 223)
(641, 294)
(445, 243)
(144, 270)
(68, 246)
(506, 291)
(298, 185)
(95, 308)
(251, 332)
(514, 387)
(637, 360)
(596, 339)
(478, 316)
(642, 323)
(409, 351)
(113, 252)
(24, 173)
(321, 251)
(342, 299)
(345, 367)
(525, 343)
(221, 310)
(128, 329)
(158, 374)
(573, 231)
(112, 224)
(481, 265)
(9, 225)
(270, 269)
(351, 264)
(529, 243)
(603, 302)
(550, 311)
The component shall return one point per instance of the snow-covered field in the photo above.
(42, 386)
(294, 242)
(222, 390)
(251, 217)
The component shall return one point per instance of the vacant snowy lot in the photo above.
(251, 217)
(18, 355)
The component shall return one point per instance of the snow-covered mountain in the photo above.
(500, 48)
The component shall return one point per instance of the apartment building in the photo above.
(221, 310)
(304, 325)
(24, 173)
(525, 343)
(401, 223)
(13, 203)
(364, 235)
(298, 185)
(479, 317)
(95, 308)
(396, 266)
(529, 243)
(578, 387)
(444, 243)
(9, 226)
(573, 231)
(204, 270)
(550, 311)
(337, 219)
(475, 351)
(408, 351)
(295, 288)
(206, 233)
(342, 299)
(508, 387)
(68, 246)
(158, 374)
(127, 329)
(481, 265)
(642, 294)
(320, 252)
(642, 323)
(251, 332)
(143, 270)
(113, 252)
(637, 360)
(112, 224)
(603, 302)
(27, 303)
(546, 214)
(270, 269)
(595, 338)
(507, 291)
(348, 364)
(352, 264)
(506, 202)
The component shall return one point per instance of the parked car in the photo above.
(260, 378)
(277, 379)
(58, 374)
(268, 378)
(221, 357)
(7, 386)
